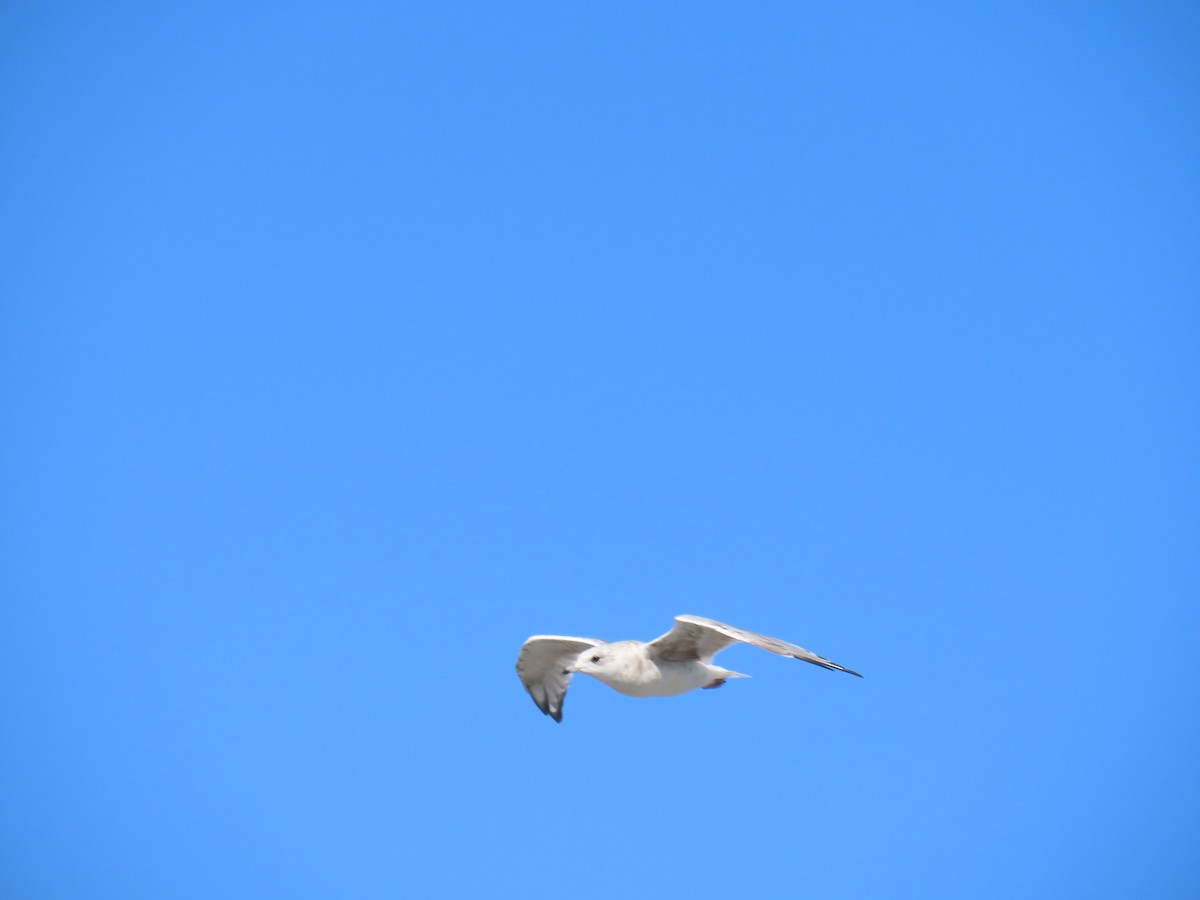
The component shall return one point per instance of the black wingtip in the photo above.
(555, 714)
(829, 664)
(835, 667)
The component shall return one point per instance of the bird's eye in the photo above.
(595, 659)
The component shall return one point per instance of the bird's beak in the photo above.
(569, 669)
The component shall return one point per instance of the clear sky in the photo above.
(344, 346)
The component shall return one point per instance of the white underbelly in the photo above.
(673, 678)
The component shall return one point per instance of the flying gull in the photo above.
(678, 662)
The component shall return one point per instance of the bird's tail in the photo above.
(726, 673)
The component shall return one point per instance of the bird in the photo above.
(677, 662)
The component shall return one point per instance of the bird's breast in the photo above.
(666, 679)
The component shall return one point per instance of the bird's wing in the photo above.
(541, 665)
(695, 637)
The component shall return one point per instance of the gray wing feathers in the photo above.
(695, 637)
(692, 638)
(540, 667)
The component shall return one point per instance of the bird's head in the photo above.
(595, 661)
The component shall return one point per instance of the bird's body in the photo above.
(634, 672)
(678, 662)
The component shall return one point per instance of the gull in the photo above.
(679, 661)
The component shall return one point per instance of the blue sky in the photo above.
(346, 346)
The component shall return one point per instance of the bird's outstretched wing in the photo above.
(541, 663)
(695, 637)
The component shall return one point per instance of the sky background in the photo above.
(345, 346)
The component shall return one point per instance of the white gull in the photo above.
(678, 662)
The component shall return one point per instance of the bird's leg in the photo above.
(715, 684)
